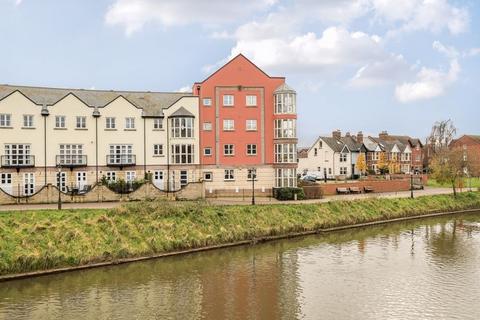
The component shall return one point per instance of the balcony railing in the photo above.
(121, 160)
(18, 161)
(71, 160)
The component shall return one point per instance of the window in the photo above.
(285, 128)
(182, 127)
(182, 153)
(111, 176)
(18, 154)
(251, 125)
(157, 123)
(285, 153)
(110, 123)
(121, 154)
(343, 157)
(343, 170)
(183, 178)
(229, 175)
(285, 103)
(130, 176)
(208, 176)
(71, 154)
(81, 123)
(207, 102)
(5, 120)
(28, 183)
(59, 122)
(285, 177)
(28, 121)
(158, 149)
(207, 126)
(228, 149)
(228, 125)
(329, 170)
(315, 152)
(320, 144)
(207, 151)
(250, 173)
(228, 100)
(130, 123)
(251, 101)
(251, 149)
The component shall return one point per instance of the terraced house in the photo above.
(74, 138)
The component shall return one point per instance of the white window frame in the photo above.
(5, 120)
(285, 103)
(111, 176)
(343, 170)
(205, 176)
(251, 149)
(285, 177)
(228, 125)
(130, 176)
(229, 175)
(110, 123)
(157, 123)
(28, 183)
(182, 127)
(251, 124)
(80, 122)
(229, 150)
(60, 122)
(18, 154)
(251, 100)
(70, 154)
(209, 153)
(286, 128)
(158, 149)
(228, 100)
(121, 153)
(207, 102)
(130, 123)
(182, 153)
(207, 126)
(285, 153)
(343, 157)
(28, 121)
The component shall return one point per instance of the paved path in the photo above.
(234, 201)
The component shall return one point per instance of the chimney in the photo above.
(360, 137)
(383, 135)
(347, 134)
(337, 134)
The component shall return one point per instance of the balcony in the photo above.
(18, 161)
(121, 160)
(71, 160)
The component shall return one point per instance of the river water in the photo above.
(422, 269)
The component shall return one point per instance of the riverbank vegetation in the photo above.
(47, 239)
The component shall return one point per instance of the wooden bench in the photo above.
(355, 190)
(343, 190)
(368, 189)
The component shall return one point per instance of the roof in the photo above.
(302, 152)
(405, 140)
(284, 88)
(152, 103)
(182, 112)
(474, 137)
(351, 143)
(334, 144)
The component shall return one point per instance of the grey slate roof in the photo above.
(152, 103)
(284, 88)
(351, 143)
(335, 144)
(182, 112)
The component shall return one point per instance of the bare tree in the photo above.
(441, 136)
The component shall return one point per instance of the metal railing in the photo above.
(71, 160)
(17, 161)
(121, 160)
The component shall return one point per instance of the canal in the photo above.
(420, 269)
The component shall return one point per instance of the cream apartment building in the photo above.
(74, 138)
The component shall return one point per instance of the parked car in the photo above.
(309, 178)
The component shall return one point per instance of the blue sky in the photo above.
(371, 65)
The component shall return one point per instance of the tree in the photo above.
(361, 164)
(441, 136)
(449, 166)
(382, 163)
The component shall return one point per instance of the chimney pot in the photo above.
(337, 134)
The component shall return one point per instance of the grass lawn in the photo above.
(46, 239)
(466, 183)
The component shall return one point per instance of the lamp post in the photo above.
(411, 183)
(59, 167)
(253, 175)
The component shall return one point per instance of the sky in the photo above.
(369, 65)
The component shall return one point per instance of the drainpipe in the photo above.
(168, 157)
(96, 115)
(45, 114)
(144, 145)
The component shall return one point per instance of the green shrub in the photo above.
(289, 193)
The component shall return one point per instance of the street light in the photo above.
(253, 175)
(411, 182)
(59, 183)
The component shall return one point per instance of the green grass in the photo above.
(466, 183)
(39, 240)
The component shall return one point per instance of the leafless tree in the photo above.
(441, 136)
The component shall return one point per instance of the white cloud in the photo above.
(473, 52)
(185, 89)
(448, 51)
(392, 69)
(134, 14)
(430, 83)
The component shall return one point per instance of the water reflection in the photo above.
(420, 269)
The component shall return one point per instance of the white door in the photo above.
(158, 179)
(62, 181)
(81, 179)
(28, 183)
(6, 182)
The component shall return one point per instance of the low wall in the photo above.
(238, 193)
(101, 193)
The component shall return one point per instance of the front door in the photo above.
(28, 183)
(158, 179)
(62, 181)
(6, 182)
(81, 179)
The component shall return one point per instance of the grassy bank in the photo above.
(475, 183)
(46, 239)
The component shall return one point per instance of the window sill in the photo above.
(158, 155)
(29, 128)
(110, 129)
(228, 106)
(81, 129)
(251, 106)
(129, 129)
(158, 129)
(6, 127)
(207, 155)
(251, 155)
(229, 180)
(251, 130)
(228, 130)
(229, 155)
(59, 128)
